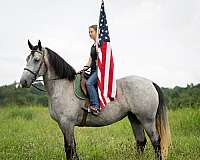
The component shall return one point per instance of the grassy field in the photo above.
(29, 133)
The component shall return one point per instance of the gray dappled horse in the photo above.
(138, 98)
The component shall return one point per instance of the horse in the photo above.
(138, 98)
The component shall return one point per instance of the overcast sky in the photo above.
(155, 39)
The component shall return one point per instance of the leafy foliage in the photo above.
(180, 97)
(10, 95)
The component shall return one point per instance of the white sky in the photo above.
(156, 39)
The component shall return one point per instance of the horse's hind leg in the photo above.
(154, 136)
(138, 132)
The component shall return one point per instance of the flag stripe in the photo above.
(103, 49)
(110, 86)
(114, 88)
(107, 70)
(102, 104)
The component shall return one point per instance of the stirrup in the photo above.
(87, 109)
(94, 111)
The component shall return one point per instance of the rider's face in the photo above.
(92, 33)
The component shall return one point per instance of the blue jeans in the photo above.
(93, 95)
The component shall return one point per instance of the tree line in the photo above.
(176, 97)
(12, 95)
(179, 97)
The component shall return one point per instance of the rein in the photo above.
(41, 81)
(38, 87)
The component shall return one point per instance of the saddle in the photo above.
(84, 77)
(80, 90)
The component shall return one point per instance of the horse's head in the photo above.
(35, 66)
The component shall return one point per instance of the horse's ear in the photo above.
(39, 45)
(30, 45)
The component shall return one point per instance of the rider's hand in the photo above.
(79, 72)
(85, 68)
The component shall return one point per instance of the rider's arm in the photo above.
(97, 55)
(88, 63)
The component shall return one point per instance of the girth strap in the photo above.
(85, 113)
(83, 122)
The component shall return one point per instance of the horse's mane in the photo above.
(61, 67)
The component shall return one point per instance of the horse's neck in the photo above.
(56, 87)
(60, 96)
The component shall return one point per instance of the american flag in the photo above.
(106, 78)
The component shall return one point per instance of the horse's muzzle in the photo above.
(24, 83)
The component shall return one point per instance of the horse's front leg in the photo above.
(69, 141)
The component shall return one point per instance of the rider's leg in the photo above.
(93, 95)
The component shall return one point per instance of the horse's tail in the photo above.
(162, 124)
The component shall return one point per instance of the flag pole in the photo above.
(97, 37)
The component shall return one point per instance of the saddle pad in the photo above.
(77, 88)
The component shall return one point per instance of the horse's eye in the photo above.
(36, 60)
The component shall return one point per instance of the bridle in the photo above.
(36, 73)
(42, 61)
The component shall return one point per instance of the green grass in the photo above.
(30, 133)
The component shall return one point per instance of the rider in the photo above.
(92, 80)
